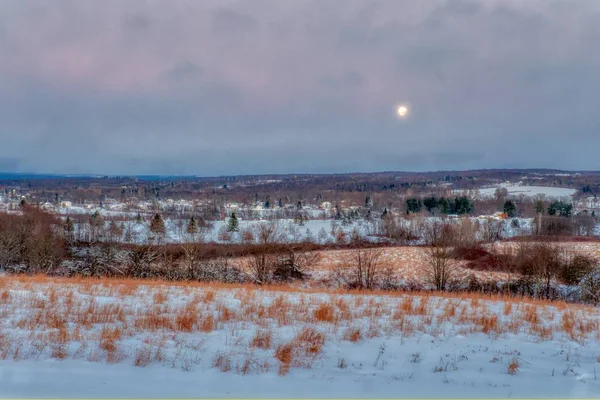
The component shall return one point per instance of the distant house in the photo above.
(325, 205)
(48, 206)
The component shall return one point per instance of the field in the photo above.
(410, 263)
(530, 191)
(109, 338)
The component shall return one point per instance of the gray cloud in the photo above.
(230, 21)
(218, 87)
(136, 22)
(184, 71)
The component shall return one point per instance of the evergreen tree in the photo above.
(413, 205)
(510, 209)
(338, 213)
(444, 205)
(157, 225)
(299, 205)
(385, 213)
(561, 208)
(280, 203)
(192, 227)
(139, 219)
(233, 224)
(69, 228)
(369, 201)
(430, 203)
(461, 205)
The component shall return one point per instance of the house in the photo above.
(325, 205)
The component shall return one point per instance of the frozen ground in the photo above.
(530, 191)
(69, 338)
(318, 231)
(480, 364)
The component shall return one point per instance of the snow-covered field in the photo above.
(90, 338)
(317, 231)
(530, 191)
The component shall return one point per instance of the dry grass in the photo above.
(353, 334)
(262, 339)
(285, 355)
(324, 313)
(513, 366)
(62, 318)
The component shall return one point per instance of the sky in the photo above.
(224, 87)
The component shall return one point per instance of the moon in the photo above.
(402, 111)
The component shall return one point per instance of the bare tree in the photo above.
(361, 269)
(492, 230)
(261, 263)
(440, 239)
(262, 258)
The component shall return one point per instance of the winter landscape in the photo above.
(299, 199)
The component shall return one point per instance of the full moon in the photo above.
(402, 111)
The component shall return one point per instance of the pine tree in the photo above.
(510, 209)
(69, 228)
(444, 205)
(192, 227)
(385, 213)
(430, 203)
(369, 201)
(280, 203)
(233, 225)
(413, 205)
(338, 213)
(157, 225)
(138, 218)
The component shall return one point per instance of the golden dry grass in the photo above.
(94, 319)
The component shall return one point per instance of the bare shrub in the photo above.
(294, 263)
(361, 269)
(590, 286)
(222, 362)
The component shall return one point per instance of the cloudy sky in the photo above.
(213, 87)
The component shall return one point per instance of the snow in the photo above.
(529, 191)
(477, 375)
(410, 345)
